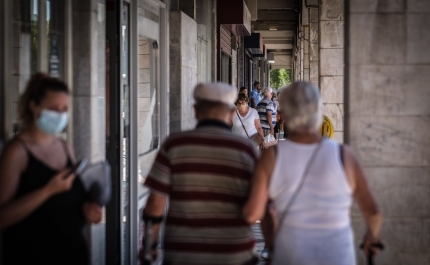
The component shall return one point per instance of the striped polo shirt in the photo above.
(206, 174)
(266, 104)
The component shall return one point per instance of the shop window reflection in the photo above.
(148, 102)
(55, 37)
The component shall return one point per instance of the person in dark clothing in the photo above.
(43, 206)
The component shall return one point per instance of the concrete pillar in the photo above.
(306, 54)
(331, 38)
(388, 120)
(241, 63)
(314, 46)
(302, 55)
(89, 98)
(297, 60)
(183, 70)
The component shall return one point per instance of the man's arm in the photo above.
(269, 120)
(155, 207)
(253, 103)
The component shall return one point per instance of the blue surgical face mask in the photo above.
(52, 122)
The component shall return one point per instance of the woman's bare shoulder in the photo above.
(14, 148)
(14, 153)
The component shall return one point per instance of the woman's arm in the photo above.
(12, 162)
(93, 212)
(363, 197)
(258, 127)
(255, 206)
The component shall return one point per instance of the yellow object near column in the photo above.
(327, 129)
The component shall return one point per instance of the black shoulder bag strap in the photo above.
(299, 187)
(242, 123)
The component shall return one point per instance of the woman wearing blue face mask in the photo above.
(43, 207)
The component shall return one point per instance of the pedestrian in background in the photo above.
(275, 101)
(206, 174)
(312, 182)
(43, 206)
(246, 122)
(255, 94)
(267, 112)
(243, 90)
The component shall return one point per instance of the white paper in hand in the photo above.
(96, 181)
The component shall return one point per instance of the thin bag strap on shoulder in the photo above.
(242, 123)
(299, 187)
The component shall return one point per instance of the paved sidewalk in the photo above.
(259, 242)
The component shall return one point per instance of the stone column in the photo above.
(332, 61)
(306, 54)
(298, 58)
(241, 64)
(388, 123)
(314, 46)
(183, 70)
(89, 98)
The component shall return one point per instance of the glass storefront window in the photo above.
(148, 96)
(148, 101)
(24, 54)
(55, 37)
(25, 50)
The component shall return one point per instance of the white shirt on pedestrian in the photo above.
(248, 121)
(317, 228)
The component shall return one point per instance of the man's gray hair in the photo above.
(267, 91)
(302, 106)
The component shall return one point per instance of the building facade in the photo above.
(131, 66)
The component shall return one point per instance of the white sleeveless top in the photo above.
(317, 227)
(248, 121)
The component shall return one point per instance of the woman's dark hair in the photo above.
(242, 88)
(36, 90)
(242, 97)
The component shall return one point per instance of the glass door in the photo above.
(148, 116)
(125, 141)
(148, 101)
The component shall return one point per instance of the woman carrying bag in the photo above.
(311, 182)
(246, 122)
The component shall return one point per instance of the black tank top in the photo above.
(52, 234)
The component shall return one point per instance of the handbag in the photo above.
(256, 137)
(97, 183)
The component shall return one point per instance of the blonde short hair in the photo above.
(301, 104)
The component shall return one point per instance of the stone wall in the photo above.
(89, 102)
(314, 46)
(183, 70)
(306, 54)
(388, 121)
(331, 61)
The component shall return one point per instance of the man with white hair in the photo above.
(206, 174)
(267, 112)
